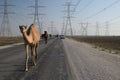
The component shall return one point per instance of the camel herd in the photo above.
(31, 39)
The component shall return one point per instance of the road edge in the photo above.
(11, 45)
(70, 66)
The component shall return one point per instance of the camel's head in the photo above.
(23, 28)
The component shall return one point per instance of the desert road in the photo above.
(64, 59)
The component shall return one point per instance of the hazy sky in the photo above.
(90, 11)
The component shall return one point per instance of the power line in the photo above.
(113, 19)
(109, 6)
(86, 5)
(74, 9)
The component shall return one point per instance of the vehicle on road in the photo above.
(62, 37)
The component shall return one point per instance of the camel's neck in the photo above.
(27, 37)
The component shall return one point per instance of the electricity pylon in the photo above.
(5, 29)
(84, 27)
(107, 29)
(68, 25)
(97, 29)
(36, 15)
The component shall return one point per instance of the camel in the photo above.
(45, 36)
(31, 38)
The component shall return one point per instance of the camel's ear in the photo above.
(20, 27)
(26, 27)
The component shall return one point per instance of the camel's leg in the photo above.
(36, 51)
(33, 55)
(45, 40)
(27, 57)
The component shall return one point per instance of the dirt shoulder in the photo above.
(105, 43)
(10, 40)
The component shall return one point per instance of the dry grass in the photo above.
(105, 42)
(10, 40)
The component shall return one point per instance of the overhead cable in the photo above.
(109, 6)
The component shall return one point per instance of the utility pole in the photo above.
(68, 19)
(97, 29)
(5, 29)
(107, 29)
(36, 15)
(84, 27)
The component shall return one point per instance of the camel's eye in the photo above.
(24, 28)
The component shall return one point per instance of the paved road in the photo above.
(87, 63)
(51, 64)
(60, 60)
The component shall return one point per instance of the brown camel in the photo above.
(31, 38)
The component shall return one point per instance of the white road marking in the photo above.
(11, 45)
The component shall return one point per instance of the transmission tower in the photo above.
(107, 29)
(84, 27)
(36, 15)
(5, 29)
(52, 27)
(97, 29)
(68, 25)
(63, 27)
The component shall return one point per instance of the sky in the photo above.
(98, 13)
